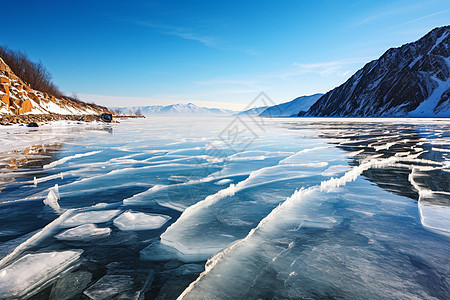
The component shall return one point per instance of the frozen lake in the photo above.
(226, 208)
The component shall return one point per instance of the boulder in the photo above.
(26, 106)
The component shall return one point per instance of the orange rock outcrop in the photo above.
(17, 97)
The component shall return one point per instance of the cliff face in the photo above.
(413, 80)
(17, 98)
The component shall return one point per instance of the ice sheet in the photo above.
(211, 224)
(350, 239)
(306, 246)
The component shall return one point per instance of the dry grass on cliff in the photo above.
(35, 74)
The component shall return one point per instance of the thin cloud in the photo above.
(423, 18)
(182, 32)
(190, 34)
(338, 67)
(391, 9)
(249, 83)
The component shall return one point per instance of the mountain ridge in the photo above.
(411, 80)
(179, 109)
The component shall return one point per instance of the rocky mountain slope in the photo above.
(291, 108)
(412, 80)
(18, 98)
(181, 109)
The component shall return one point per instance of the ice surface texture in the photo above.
(311, 208)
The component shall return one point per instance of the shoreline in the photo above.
(26, 119)
(6, 120)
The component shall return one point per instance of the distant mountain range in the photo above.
(188, 109)
(252, 111)
(291, 108)
(286, 109)
(412, 80)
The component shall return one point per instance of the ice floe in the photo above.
(70, 285)
(98, 216)
(130, 220)
(33, 270)
(83, 232)
(53, 198)
(110, 287)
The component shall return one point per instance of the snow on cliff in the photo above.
(412, 80)
(18, 98)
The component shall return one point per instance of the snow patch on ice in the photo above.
(223, 181)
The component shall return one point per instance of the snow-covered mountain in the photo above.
(188, 109)
(412, 80)
(291, 108)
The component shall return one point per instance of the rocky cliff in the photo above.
(17, 98)
(412, 80)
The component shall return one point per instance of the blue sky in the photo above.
(212, 53)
